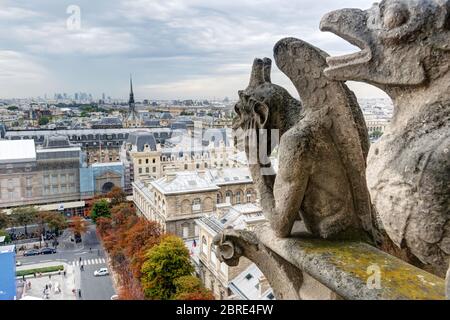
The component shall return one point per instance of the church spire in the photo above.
(131, 101)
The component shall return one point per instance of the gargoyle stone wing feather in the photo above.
(303, 64)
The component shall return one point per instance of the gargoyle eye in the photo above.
(395, 15)
(237, 109)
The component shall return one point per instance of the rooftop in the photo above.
(7, 249)
(17, 151)
(184, 182)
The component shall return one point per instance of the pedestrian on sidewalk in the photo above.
(79, 293)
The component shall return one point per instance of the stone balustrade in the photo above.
(305, 268)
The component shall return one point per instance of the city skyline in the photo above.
(174, 49)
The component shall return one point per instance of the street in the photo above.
(90, 254)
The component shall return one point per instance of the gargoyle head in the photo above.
(264, 105)
(402, 42)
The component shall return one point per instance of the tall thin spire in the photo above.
(131, 101)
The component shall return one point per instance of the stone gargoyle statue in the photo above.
(322, 150)
(405, 51)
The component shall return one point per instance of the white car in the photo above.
(18, 263)
(101, 272)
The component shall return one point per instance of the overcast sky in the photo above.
(175, 49)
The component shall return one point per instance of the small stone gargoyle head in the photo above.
(264, 105)
(402, 42)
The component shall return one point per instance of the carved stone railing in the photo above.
(304, 268)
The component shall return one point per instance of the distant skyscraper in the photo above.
(103, 96)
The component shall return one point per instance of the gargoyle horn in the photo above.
(257, 76)
(267, 69)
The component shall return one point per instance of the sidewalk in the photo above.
(59, 287)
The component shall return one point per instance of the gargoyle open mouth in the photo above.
(349, 24)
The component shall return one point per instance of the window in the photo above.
(185, 167)
(204, 245)
(140, 170)
(154, 169)
(213, 256)
(248, 276)
(238, 197)
(185, 231)
(146, 161)
(140, 161)
(154, 160)
(147, 170)
(219, 198)
(196, 230)
(206, 165)
(197, 166)
(196, 205)
(249, 196)
(270, 296)
(228, 196)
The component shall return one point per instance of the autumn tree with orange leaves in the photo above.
(78, 225)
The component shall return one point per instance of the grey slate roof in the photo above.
(56, 141)
(141, 138)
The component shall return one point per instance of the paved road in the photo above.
(92, 257)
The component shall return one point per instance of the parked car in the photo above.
(48, 250)
(101, 272)
(115, 297)
(32, 252)
(18, 263)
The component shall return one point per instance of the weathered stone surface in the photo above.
(285, 279)
(405, 51)
(345, 267)
(322, 150)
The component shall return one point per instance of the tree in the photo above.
(55, 221)
(137, 240)
(165, 262)
(5, 234)
(191, 288)
(44, 120)
(23, 216)
(121, 213)
(376, 134)
(100, 209)
(78, 225)
(13, 108)
(103, 225)
(5, 220)
(117, 196)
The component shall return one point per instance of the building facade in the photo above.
(244, 281)
(179, 198)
